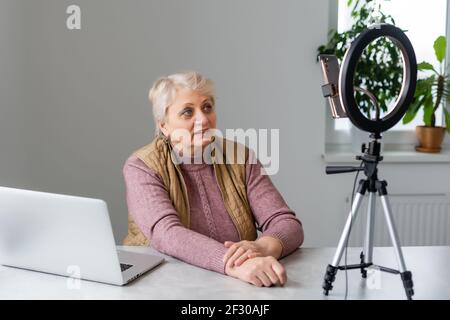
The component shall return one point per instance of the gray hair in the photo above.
(164, 89)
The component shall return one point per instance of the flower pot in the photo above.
(430, 138)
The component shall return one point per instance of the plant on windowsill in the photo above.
(430, 94)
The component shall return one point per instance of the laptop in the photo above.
(65, 235)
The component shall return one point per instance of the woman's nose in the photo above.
(201, 119)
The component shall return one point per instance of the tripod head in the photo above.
(370, 159)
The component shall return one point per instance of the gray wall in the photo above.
(74, 103)
(13, 164)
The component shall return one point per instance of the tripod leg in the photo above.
(367, 254)
(332, 268)
(405, 275)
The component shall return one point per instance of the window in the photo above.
(424, 22)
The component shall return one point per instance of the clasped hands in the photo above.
(256, 261)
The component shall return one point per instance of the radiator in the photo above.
(420, 219)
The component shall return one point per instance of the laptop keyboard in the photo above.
(124, 266)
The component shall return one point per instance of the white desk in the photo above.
(305, 268)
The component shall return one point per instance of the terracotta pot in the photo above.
(430, 138)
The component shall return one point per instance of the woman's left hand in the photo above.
(239, 252)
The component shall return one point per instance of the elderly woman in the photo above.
(205, 210)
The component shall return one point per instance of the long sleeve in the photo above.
(151, 208)
(273, 216)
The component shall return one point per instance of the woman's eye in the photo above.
(207, 107)
(187, 113)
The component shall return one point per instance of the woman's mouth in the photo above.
(201, 132)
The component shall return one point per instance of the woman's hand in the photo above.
(240, 251)
(259, 271)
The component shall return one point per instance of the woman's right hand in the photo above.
(259, 271)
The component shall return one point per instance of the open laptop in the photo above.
(65, 235)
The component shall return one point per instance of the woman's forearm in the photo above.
(288, 231)
(271, 212)
(189, 246)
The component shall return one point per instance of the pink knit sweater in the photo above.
(203, 244)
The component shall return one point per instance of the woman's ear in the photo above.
(162, 128)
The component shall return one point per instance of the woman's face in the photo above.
(187, 119)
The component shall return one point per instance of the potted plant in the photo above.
(379, 65)
(431, 93)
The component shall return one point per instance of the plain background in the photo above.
(73, 103)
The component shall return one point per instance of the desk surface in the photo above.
(175, 279)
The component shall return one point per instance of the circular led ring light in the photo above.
(347, 72)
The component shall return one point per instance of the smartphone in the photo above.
(330, 90)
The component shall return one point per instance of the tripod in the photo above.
(370, 160)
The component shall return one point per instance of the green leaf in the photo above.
(428, 110)
(409, 115)
(425, 66)
(439, 48)
(447, 119)
(423, 86)
(412, 110)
